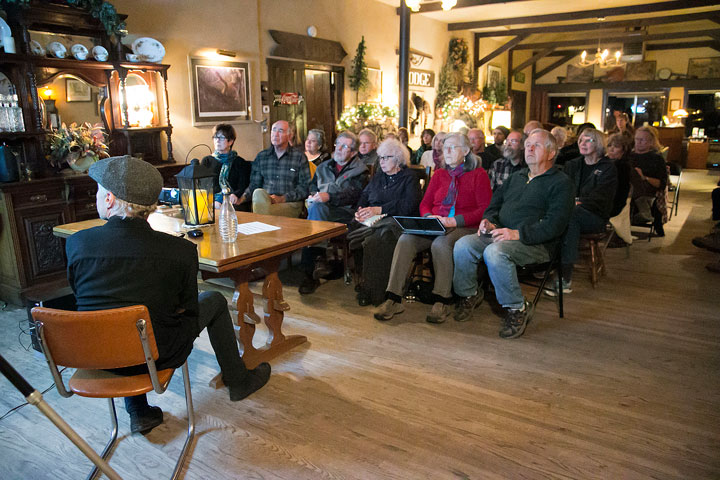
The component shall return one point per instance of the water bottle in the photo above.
(16, 113)
(228, 220)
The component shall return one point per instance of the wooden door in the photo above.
(319, 101)
(519, 101)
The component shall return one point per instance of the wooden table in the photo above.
(237, 260)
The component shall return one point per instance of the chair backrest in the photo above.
(100, 339)
(422, 173)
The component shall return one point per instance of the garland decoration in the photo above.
(358, 79)
(378, 118)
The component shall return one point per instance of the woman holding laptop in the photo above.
(457, 196)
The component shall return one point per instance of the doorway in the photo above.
(519, 103)
(321, 88)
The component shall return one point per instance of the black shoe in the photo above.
(254, 381)
(322, 268)
(146, 420)
(516, 321)
(363, 298)
(710, 242)
(464, 309)
(308, 286)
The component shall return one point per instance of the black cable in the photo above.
(193, 148)
(18, 407)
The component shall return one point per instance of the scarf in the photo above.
(226, 159)
(447, 208)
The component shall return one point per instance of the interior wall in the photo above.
(186, 28)
(519, 57)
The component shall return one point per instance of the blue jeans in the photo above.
(581, 221)
(501, 260)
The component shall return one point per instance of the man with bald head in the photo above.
(477, 146)
(530, 126)
(280, 176)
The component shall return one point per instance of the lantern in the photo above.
(195, 182)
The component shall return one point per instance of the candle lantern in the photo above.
(195, 182)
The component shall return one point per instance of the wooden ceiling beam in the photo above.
(640, 22)
(554, 65)
(511, 44)
(620, 38)
(584, 14)
(678, 45)
(437, 6)
(531, 60)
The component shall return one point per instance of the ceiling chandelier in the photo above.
(601, 59)
(414, 5)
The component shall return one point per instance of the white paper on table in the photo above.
(251, 228)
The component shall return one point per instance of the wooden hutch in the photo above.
(32, 259)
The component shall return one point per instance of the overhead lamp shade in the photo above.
(680, 113)
(195, 183)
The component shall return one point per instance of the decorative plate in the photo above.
(148, 49)
(664, 74)
(5, 28)
(36, 48)
(79, 51)
(99, 53)
(57, 49)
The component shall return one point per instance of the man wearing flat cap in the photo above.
(125, 262)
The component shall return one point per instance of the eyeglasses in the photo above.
(382, 158)
(219, 137)
(451, 148)
(342, 147)
(513, 141)
(586, 140)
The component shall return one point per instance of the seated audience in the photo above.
(231, 170)
(618, 150)
(434, 158)
(595, 179)
(511, 161)
(393, 190)
(334, 192)
(367, 145)
(522, 225)
(568, 152)
(125, 262)
(426, 142)
(648, 178)
(623, 126)
(457, 195)
(314, 149)
(499, 136)
(529, 127)
(477, 145)
(560, 135)
(280, 177)
(404, 137)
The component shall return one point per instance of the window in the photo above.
(642, 108)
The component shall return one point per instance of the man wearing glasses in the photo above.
(279, 178)
(511, 161)
(334, 193)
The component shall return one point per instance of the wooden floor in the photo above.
(625, 386)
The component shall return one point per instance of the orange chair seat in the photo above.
(104, 384)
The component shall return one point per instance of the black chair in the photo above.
(422, 174)
(526, 276)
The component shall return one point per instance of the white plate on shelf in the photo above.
(36, 48)
(57, 49)
(79, 51)
(5, 29)
(100, 53)
(148, 49)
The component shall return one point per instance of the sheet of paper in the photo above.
(251, 228)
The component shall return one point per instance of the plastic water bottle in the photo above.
(228, 220)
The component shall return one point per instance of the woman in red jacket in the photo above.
(458, 195)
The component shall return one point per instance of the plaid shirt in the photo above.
(501, 169)
(288, 175)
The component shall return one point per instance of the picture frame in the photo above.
(708, 67)
(220, 91)
(494, 75)
(641, 71)
(675, 104)
(373, 93)
(77, 91)
(579, 74)
(520, 77)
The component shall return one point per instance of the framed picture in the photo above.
(675, 104)
(640, 71)
(373, 93)
(77, 91)
(494, 74)
(220, 91)
(704, 67)
(579, 74)
(520, 77)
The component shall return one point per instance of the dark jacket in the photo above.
(596, 190)
(652, 165)
(567, 153)
(494, 152)
(398, 194)
(238, 176)
(344, 186)
(540, 208)
(125, 262)
(623, 189)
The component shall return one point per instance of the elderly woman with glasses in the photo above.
(457, 196)
(595, 179)
(393, 190)
(314, 144)
(232, 172)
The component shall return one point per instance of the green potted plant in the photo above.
(79, 146)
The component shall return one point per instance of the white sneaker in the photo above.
(388, 309)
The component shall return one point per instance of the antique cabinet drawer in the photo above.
(37, 197)
(83, 191)
(84, 210)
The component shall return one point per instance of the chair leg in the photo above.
(560, 290)
(191, 422)
(593, 263)
(113, 439)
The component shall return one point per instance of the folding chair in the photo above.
(526, 276)
(93, 341)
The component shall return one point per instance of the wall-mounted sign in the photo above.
(286, 98)
(422, 78)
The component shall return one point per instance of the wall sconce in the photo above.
(225, 53)
(46, 93)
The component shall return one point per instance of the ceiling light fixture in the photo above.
(601, 59)
(413, 5)
(448, 4)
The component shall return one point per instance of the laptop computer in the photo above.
(421, 225)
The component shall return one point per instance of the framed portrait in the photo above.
(77, 91)
(675, 104)
(520, 77)
(373, 92)
(494, 74)
(704, 67)
(220, 90)
(640, 71)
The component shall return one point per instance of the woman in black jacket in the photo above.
(231, 170)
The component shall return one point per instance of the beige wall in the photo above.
(188, 28)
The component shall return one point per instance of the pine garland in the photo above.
(358, 79)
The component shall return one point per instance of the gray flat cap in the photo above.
(128, 178)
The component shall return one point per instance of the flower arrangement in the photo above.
(73, 142)
(464, 108)
(378, 118)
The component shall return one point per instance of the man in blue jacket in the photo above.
(526, 218)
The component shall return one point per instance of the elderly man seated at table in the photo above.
(511, 161)
(334, 192)
(522, 225)
(125, 262)
(595, 179)
(457, 196)
(280, 176)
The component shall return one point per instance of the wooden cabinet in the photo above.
(697, 155)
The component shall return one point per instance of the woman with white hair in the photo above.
(457, 196)
(595, 179)
(393, 190)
